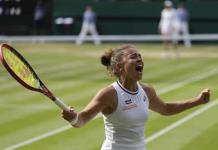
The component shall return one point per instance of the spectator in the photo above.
(183, 17)
(39, 16)
(88, 26)
(168, 28)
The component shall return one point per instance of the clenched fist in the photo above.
(204, 96)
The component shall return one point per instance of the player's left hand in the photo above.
(204, 96)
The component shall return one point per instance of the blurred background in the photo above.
(46, 31)
(114, 17)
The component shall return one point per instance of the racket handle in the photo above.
(61, 104)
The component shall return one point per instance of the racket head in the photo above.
(19, 68)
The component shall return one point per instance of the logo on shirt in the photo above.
(129, 105)
(145, 98)
(129, 101)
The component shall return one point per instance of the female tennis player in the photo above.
(125, 103)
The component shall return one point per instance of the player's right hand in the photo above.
(69, 115)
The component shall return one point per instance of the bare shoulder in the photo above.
(150, 91)
(146, 87)
(106, 94)
(108, 97)
(103, 100)
(108, 91)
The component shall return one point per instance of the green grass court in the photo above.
(74, 74)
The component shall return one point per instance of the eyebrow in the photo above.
(135, 53)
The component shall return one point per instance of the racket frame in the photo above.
(12, 72)
(42, 88)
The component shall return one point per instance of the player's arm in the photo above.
(102, 102)
(171, 108)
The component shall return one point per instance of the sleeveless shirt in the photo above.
(124, 128)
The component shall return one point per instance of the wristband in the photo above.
(75, 120)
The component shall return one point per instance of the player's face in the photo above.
(132, 65)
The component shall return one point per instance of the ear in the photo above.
(118, 68)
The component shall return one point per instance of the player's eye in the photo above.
(133, 56)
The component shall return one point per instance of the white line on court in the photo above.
(181, 121)
(42, 136)
(189, 80)
(64, 128)
(149, 139)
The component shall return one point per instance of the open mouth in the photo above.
(139, 68)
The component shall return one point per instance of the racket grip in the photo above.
(61, 104)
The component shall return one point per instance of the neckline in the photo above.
(126, 90)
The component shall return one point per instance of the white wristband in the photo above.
(75, 120)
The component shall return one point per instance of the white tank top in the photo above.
(124, 128)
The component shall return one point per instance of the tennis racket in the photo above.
(22, 72)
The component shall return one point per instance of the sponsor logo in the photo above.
(129, 104)
(129, 107)
(145, 98)
(129, 101)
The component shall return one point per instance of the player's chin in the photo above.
(139, 75)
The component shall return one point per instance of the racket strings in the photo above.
(20, 68)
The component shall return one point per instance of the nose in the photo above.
(139, 58)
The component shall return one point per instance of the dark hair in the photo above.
(114, 56)
(106, 58)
